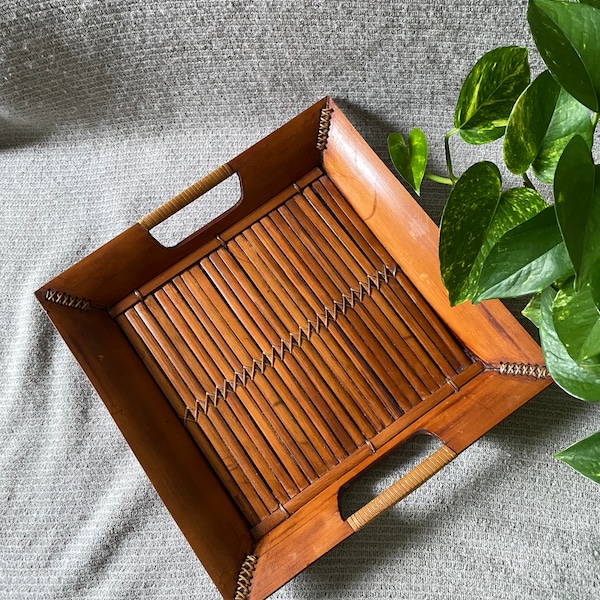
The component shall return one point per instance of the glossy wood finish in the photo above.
(388, 209)
(343, 343)
(175, 465)
(270, 358)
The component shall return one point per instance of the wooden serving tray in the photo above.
(274, 355)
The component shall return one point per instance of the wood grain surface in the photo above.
(273, 356)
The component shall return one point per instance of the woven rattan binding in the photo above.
(329, 315)
(244, 581)
(324, 122)
(169, 208)
(526, 370)
(67, 300)
(402, 488)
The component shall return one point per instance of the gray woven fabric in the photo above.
(109, 108)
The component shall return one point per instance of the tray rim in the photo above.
(382, 203)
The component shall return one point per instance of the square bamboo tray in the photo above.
(274, 355)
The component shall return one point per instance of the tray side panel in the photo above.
(487, 329)
(462, 418)
(280, 158)
(134, 257)
(173, 463)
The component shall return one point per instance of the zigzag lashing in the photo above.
(523, 369)
(329, 315)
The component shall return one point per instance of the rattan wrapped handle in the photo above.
(402, 488)
(170, 207)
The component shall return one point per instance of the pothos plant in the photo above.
(507, 243)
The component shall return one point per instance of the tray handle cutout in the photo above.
(401, 488)
(170, 207)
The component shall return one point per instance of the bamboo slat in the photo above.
(263, 315)
(291, 321)
(289, 279)
(290, 346)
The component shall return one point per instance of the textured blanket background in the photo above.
(109, 108)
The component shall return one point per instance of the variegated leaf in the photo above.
(529, 121)
(489, 93)
(577, 322)
(465, 223)
(577, 206)
(525, 260)
(574, 379)
(567, 35)
(409, 159)
(570, 118)
(584, 456)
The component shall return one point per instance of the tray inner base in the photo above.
(290, 347)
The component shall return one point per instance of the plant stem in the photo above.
(447, 137)
(527, 182)
(595, 120)
(438, 178)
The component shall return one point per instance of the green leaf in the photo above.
(584, 456)
(574, 379)
(567, 35)
(533, 310)
(529, 122)
(516, 206)
(577, 206)
(570, 118)
(594, 279)
(409, 159)
(595, 3)
(525, 260)
(590, 350)
(489, 93)
(465, 221)
(590, 262)
(577, 322)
